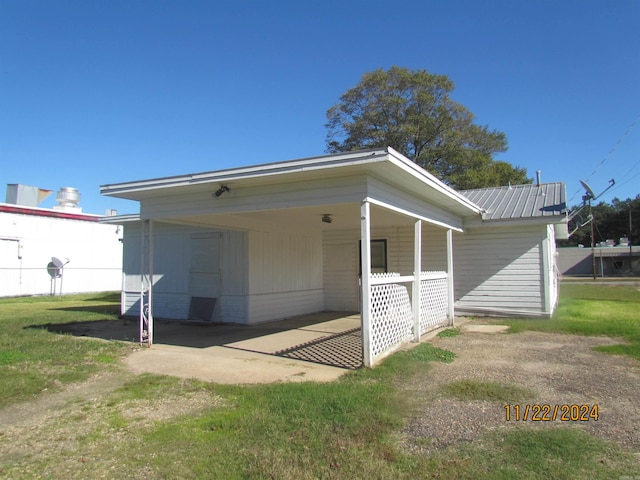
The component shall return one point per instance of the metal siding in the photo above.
(499, 270)
(94, 250)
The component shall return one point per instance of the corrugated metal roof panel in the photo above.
(520, 201)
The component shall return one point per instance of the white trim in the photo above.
(254, 171)
(450, 284)
(417, 268)
(411, 214)
(411, 167)
(546, 274)
(390, 280)
(365, 258)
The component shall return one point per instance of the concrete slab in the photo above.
(227, 365)
(485, 328)
(242, 354)
(277, 341)
(335, 326)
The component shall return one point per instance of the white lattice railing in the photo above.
(391, 316)
(433, 300)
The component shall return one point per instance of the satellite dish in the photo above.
(54, 269)
(590, 195)
(587, 188)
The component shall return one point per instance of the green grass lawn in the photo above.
(33, 359)
(341, 430)
(609, 310)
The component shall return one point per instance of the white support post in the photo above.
(450, 288)
(146, 283)
(365, 259)
(142, 281)
(417, 268)
(150, 314)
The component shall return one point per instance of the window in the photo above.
(378, 256)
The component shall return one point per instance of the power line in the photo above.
(633, 124)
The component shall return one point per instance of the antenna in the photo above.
(581, 223)
(586, 200)
(588, 189)
(590, 195)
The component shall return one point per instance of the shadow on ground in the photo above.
(341, 349)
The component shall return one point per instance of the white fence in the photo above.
(392, 316)
(433, 300)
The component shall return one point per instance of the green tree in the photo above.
(611, 222)
(412, 112)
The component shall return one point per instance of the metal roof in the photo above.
(520, 201)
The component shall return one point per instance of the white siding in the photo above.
(499, 270)
(341, 259)
(29, 241)
(173, 276)
(285, 275)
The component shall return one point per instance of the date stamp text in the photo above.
(551, 413)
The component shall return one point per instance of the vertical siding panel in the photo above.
(285, 274)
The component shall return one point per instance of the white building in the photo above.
(365, 231)
(60, 250)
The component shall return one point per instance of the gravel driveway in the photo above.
(559, 369)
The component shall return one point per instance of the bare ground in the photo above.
(559, 369)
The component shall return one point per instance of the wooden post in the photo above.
(417, 268)
(365, 259)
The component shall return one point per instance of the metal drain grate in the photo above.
(342, 350)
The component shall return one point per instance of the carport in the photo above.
(340, 232)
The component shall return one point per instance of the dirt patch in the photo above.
(560, 369)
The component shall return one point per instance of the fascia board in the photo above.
(221, 176)
(515, 222)
(120, 219)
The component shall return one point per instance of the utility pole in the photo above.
(593, 244)
(630, 245)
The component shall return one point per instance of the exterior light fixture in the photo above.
(326, 218)
(221, 190)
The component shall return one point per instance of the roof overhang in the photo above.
(385, 165)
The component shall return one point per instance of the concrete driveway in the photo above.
(319, 347)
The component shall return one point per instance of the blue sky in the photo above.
(95, 92)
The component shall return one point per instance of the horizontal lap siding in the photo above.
(499, 270)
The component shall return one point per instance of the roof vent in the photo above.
(25, 195)
(68, 199)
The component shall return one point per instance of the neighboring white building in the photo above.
(31, 237)
(271, 241)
